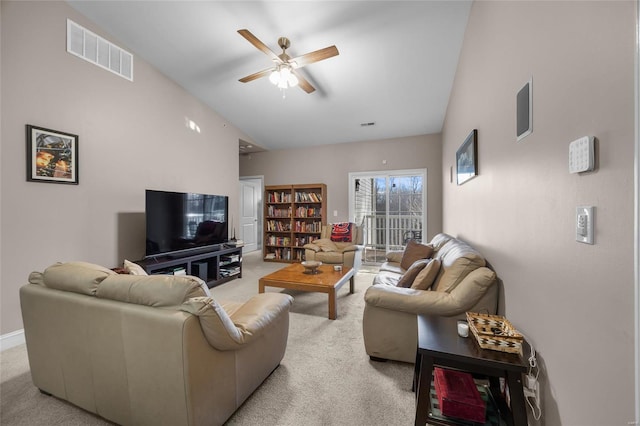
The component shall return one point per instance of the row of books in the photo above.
(279, 226)
(273, 240)
(300, 241)
(279, 254)
(278, 212)
(279, 197)
(308, 212)
(308, 197)
(300, 226)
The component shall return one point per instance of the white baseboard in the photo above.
(9, 340)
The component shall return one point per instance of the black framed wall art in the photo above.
(467, 158)
(52, 156)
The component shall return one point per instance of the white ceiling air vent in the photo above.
(91, 47)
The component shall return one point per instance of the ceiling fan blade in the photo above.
(316, 56)
(303, 83)
(256, 75)
(259, 45)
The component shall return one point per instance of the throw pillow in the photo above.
(408, 277)
(134, 268)
(342, 232)
(415, 251)
(427, 276)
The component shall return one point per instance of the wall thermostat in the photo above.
(582, 155)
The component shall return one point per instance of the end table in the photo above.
(440, 345)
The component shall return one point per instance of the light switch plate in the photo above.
(585, 224)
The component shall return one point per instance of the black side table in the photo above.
(440, 345)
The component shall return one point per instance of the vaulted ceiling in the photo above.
(396, 64)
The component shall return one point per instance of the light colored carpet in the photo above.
(325, 378)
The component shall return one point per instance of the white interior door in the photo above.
(250, 208)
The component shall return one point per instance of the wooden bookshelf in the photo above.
(293, 216)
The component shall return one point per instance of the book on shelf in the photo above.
(279, 197)
(308, 197)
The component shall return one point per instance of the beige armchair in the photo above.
(345, 253)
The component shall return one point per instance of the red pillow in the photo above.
(342, 232)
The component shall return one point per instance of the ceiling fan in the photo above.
(284, 74)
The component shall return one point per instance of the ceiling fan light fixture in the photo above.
(274, 78)
(292, 80)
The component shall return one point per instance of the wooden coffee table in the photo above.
(327, 280)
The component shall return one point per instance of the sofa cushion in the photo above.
(457, 262)
(395, 256)
(415, 251)
(407, 278)
(151, 290)
(386, 278)
(475, 285)
(392, 267)
(440, 240)
(330, 257)
(427, 276)
(325, 244)
(77, 277)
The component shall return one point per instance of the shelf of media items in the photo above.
(293, 217)
(214, 267)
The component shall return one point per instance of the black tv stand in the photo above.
(215, 266)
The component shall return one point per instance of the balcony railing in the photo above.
(375, 234)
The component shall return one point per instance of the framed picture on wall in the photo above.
(52, 156)
(467, 158)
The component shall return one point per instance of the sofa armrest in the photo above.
(350, 247)
(225, 332)
(260, 312)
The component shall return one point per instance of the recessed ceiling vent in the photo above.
(92, 48)
(371, 123)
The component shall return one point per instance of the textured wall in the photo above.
(132, 136)
(574, 301)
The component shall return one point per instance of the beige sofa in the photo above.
(461, 283)
(348, 254)
(148, 350)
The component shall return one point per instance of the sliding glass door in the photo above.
(392, 208)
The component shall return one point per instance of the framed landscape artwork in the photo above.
(52, 156)
(467, 158)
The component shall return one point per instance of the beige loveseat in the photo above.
(148, 350)
(348, 254)
(460, 282)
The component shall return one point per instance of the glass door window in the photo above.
(391, 207)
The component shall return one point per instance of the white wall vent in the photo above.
(91, 47)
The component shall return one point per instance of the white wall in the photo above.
(574, 301)
(132, 136)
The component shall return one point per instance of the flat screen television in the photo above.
(182, 223)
